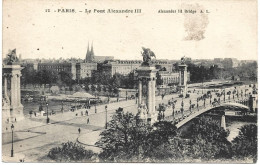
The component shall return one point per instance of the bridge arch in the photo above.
(201, 111)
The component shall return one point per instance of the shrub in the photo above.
(70, 152)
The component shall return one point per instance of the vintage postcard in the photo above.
(129, 81)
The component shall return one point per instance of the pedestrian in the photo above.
(79, 130)
(88, 121)
(87, 112)
(81, 113)
(8, 120)
(14, 119)
(35, 114)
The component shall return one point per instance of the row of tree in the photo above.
(200, 73)
(43, 77)
(117, 80)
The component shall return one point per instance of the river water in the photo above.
(233, 127)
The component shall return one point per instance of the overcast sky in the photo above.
(229, 30)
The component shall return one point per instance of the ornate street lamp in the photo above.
(12, 149)
(173, 107)
(48, 120)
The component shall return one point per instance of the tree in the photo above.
(46, 77)
(28, 75)
(87, 87)
(93, 88)
(104, 88)
(159, 80)
(117, 80)
(65, 78)
(110, 89)
(117, 142)
(208, 139)
(245, 144)
(99, 88)
(129, 139)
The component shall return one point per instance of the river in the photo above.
(233, 127)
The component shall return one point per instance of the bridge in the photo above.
(239, 100)
(200, 111)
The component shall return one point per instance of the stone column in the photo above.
(153, 110)
(5, 86)
(149, 96)
(140, 92)
(153, 95)
(12, 90)
(12, 101)
(18, 89)
(223, 122)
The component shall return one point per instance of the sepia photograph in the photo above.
(129, 81)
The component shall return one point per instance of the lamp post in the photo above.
(173, 107)
(12, 149)
(106, 116)
(48, 120)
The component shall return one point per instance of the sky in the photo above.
(229, 30)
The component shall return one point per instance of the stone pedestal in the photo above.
(223, 122)
(253, 103)
(13, 109)
(147, 76)
(183, 79)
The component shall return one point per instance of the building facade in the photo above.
(125, 67)
(84, 70)
(58, 67)
(172, 77)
